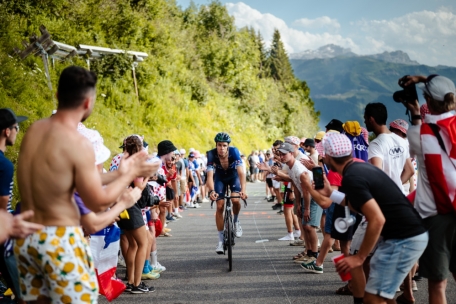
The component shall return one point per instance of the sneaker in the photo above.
(170, 219)
(158, 268)
(129, 287)
(205, 200)
(237, 229)
(276, 206)
(414, 286)
(312, 267)
(287, 238)
(297, 242)
(305, 259)
(219, 248)
(141, 288)
(280, 212)
(178, 215)
(297, 233)
(150, 276)
(270, 200)
(196, 205)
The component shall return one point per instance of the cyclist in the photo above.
(224, 168)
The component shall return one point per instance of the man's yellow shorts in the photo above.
(55, 264)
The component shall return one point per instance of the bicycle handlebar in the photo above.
(230, 197)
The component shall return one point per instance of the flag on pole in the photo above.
(104, 246)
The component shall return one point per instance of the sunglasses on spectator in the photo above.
(15, 127)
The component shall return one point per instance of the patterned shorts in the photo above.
(55, 264)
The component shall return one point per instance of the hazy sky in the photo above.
(426, 30)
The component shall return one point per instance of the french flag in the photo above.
(104, 246)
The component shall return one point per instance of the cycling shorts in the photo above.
(221, 181)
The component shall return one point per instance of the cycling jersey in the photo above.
(222, 177)
(234, 161)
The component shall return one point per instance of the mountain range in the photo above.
(341, 82)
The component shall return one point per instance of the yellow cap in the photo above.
(320, 135)
(352, 127)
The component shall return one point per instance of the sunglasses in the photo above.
(15, 127)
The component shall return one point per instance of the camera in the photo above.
(154, 201)
(161, 180)
(408, 94)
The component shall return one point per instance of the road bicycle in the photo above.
(228, 232)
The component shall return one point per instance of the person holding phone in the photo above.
(312, 212)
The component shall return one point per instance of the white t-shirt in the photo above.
(298, 157)
(314, 157)
(394, 151)
(295, 174)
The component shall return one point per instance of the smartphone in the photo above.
(318, 177)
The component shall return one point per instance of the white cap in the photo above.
(437, 87)
(102, 153)
(182, 151)
(191, 150)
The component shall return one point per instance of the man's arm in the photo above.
(93, 223)
(283, 175)
(408, 171)
(377, 162)
(109, 177)
(375, 222)
(241, 175)
(88, 181)
(4, 202)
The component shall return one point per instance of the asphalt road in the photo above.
(262, 272)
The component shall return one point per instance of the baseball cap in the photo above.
(309, 142)
(191, 155)
(337, 145)
(437, 87)
(102, 153)
(320, 135)
(292, 140)
(9, 118)
(400, 124)
(165, 147)
(191, 150)
(182, 151)
(352, 127)
(335, 124)
(286, 148)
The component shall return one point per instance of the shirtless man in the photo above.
(55, 160)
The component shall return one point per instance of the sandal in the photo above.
(344, 290)
(299, 255)
(403, 300)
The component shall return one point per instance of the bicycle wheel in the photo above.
(229, 241)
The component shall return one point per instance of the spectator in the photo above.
(431, 143)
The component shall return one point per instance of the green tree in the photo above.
(278, 63)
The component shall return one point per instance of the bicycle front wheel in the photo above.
(229, 241)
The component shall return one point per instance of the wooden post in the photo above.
(134, 79)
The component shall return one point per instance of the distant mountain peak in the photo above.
(332, 51)
(326, 51)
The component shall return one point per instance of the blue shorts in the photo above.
(329, 218)
(391, 263)
(315, 215)
(222, 181)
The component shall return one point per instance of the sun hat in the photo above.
(400, 124)
(165, 147)
(437, 87)
(337, 145)
(9, 118)
(102, 153)
(293, 140)
(286, 148)
(320, 135)
(352, 127)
